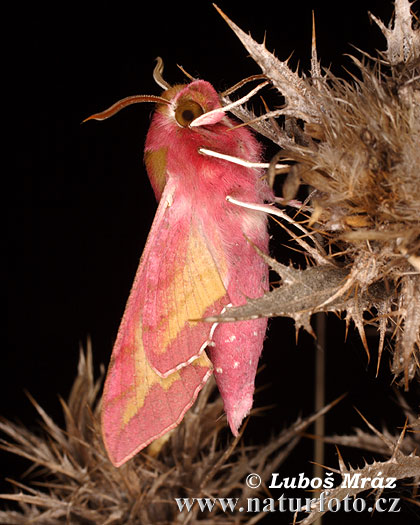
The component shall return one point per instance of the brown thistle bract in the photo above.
(358, 151)
(80, 485)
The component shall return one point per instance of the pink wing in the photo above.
(158, 365)
(237, 346)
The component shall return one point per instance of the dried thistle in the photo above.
(80, 485)
(399, 466)
(358, 152)
(384, 442)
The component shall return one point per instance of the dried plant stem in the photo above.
(319, 445)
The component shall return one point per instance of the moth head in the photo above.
(185, 103)
(188, 102)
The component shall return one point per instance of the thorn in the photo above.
(400, 440)
(315, 69)
(341, 463)
(382, 328)
(387, 441)
(364, 341)
(313, 34)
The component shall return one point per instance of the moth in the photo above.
(199, 258)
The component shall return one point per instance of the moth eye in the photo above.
(187, 111)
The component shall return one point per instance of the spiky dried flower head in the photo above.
(358, 152)
(76, 483)
(80, 485)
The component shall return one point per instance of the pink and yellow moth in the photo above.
(197, 260)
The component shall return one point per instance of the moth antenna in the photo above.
(203, 119)
(121, 104)
(271, 114)
(157, 74)
(186, 73)
(242, 83)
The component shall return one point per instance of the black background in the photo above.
(80, 205)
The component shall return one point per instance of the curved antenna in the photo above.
(208, 117)
(186, 73)
(242, 83)
(157, 74)
(121, 104)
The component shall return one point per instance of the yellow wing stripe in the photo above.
(194, 288)
(145, 377)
